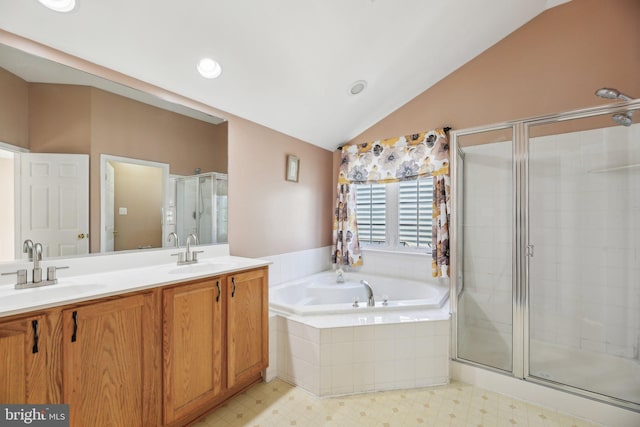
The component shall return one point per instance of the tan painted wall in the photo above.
(267, 214)
(553, 63)
(138, 189)
(59, 118)
(123, 127)
(14, 109)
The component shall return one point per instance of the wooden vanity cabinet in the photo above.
(247, 326)
(111, 365)
(23, 352)
(192, 348)
(166, 356)
(215, 341)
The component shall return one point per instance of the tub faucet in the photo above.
(371, 302)
(339, 276)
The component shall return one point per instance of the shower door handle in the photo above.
(529, 251)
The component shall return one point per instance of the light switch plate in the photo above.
(122, 211)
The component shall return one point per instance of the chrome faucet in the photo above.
(176, 239)
(37, 257)
(188, 256)
(371, 302)
(190, 238)
(36, 251)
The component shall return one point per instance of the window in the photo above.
(395, 215)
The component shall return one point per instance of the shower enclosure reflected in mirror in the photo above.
(200, 207)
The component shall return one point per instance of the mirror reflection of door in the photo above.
(7, 195)
(133, 200)
(54, 202)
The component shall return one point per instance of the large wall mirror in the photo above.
(67, 137)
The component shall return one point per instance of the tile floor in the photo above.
(278, 404)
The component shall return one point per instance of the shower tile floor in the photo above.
(278, 404)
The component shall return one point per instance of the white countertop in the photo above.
(84, 287)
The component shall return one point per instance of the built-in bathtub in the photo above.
(322, 294)
(329, 347)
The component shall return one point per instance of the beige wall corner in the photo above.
(553, 63)
(269, 215)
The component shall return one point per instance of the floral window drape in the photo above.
(391, 160)
(346, 247)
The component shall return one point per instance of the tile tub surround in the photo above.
(303, 352)
(403, 265)
(334, 360)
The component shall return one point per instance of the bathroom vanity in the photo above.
(160, 345)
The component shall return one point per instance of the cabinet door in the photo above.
(108, 351)
(23, 354)
(247, 326)
(192, 348)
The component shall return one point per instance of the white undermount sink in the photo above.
(10, 296)
(200, 267)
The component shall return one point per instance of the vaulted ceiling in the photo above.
(286, 64)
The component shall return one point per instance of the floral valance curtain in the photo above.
(395, 159)
(391, 160)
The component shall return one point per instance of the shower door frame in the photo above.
(520, 239)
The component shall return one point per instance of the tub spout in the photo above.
(371, 302)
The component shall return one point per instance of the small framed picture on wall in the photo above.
(293, 168)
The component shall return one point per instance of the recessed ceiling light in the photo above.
(59, 5)
(357, 87)
(209, 69)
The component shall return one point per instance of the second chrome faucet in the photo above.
(188, 256)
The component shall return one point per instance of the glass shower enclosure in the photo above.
(546, 224)
(201, 207)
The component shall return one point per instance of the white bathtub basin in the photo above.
(320, 294)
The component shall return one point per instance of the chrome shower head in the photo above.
(623, 119)
(610, 93)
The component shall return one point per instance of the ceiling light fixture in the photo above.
(209, 69)
(59, 5)
(357, 87)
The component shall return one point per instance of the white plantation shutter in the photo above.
(397, 215)
(371, 210)
(415, 205)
